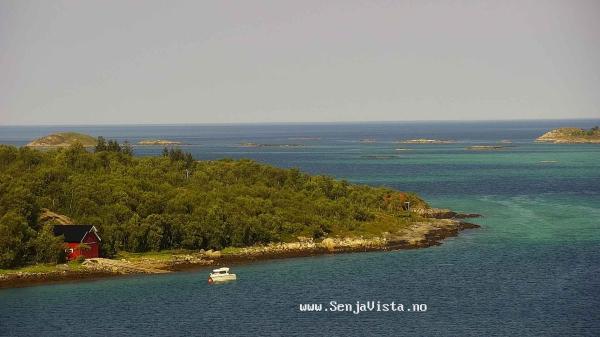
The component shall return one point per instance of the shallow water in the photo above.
(532, 269)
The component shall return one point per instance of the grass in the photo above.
(163, 255)
(43, 268)
(36, 268)
(231, 250)
(383, 223)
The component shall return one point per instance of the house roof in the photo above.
(74, 233)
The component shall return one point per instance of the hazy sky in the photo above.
(83, 62)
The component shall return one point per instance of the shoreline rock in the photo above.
(442, 213)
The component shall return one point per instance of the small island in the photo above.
(380, 156)
(64, 139)
(304, 138)
(486, 147)
(268, 145)
(158, 142)
(571, 136)
(426, 141)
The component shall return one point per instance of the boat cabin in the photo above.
(223, 270)
(80, 240)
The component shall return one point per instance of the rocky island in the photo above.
(64, 139)
(426, 141)
(486, 147)
(571, 136)
(269, 145)
(158, 142)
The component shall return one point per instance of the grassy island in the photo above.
(158, 142)
(64, 139)
(571, 136)
(173, 202)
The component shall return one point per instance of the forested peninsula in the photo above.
(210, 210)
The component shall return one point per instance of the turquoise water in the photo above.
(531, 270)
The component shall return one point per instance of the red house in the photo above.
(77, 240)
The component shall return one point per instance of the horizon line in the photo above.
(301, 122)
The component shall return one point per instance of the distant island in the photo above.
(269, 145)
(571, 136)
(64, 139)
(486, 147)
(304, 138)
(426, 141)
(158, 142)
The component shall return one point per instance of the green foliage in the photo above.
(47, 248)
(178, 155)
(592, 132)
(113, 146)
(14, 235)
(174, 202)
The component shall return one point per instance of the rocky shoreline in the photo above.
(437, 225)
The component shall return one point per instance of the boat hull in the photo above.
(222, 278)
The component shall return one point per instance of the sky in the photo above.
(168, 62)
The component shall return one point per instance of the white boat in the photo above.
(221, 275)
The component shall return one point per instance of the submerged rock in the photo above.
(442, 213)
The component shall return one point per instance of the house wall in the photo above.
(91, 240)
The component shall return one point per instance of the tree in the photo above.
(127, 149)
(101, 146)
(14, 235)
(47, 248)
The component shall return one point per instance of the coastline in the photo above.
(432, 232)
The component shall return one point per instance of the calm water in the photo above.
(532, 269)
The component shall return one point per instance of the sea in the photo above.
(532, 269)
